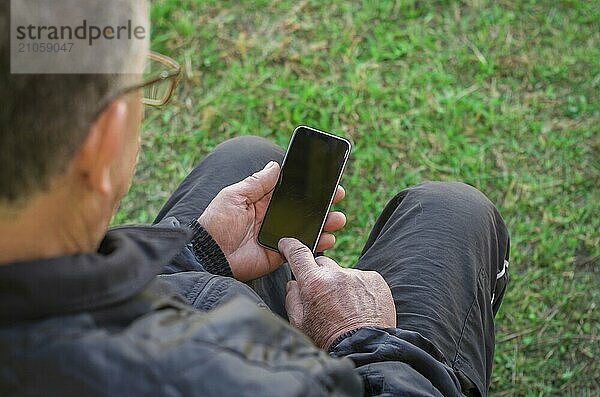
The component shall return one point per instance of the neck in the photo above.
(52, 224)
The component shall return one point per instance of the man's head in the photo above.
(45, 118)
(68, 135)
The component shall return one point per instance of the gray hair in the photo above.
(44, 118)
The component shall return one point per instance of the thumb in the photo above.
(259, 184)
(293, 304)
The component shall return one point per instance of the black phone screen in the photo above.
(308, 180)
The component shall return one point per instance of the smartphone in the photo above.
(310, 173)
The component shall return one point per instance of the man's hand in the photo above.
(327, 300)
(234, 216)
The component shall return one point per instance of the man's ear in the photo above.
(102, 148)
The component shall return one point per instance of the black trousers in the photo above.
(442, 248)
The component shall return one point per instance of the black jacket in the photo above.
(104, 324)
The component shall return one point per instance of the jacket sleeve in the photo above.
(202, 254)
(238, 349)
(397, 362)
(241, 349)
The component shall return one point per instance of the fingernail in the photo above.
(270, 164)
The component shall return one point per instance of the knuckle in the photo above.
(253, 179)
(350, 272)
(345, 278)
(227, 191)
(375, 276)
(322, 260)
(297, 254)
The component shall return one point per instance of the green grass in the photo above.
(502, 95)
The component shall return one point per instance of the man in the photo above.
(84, 311)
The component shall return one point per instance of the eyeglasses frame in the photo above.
(172, 75)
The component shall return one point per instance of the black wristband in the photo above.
(208, 252)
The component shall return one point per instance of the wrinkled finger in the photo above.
(293, 304)
(326, 262)
(335, 221)
(299, 257)
(326, 241)
(259, 184)
(340, 193)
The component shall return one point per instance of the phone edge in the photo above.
(348, 151)
(278, 181)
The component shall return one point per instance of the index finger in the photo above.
(299, 257)
(340, 193)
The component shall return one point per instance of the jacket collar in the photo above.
(128, 259)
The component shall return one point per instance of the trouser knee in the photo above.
(456, 196)
(250, 148)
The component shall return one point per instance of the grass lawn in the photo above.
(503, 95)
